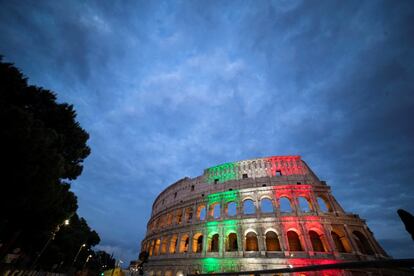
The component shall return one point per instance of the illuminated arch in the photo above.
(184, 243)
(339, 244)
(316, 241)
(272, 241)
(252, 244)
(201, 212)
(173, 244)
(164, 244)
(231, 243)
(294, 241)
(157, 247)
(213, 245)
(198, 243)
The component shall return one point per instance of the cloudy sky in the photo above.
(167, 89)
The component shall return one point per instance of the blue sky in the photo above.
(167, 89)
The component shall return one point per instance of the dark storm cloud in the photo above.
(166, 89)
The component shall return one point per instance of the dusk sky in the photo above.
(167, 89)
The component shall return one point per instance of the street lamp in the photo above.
(52, 237)
(77, 254)
(87, 259)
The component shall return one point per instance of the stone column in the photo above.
(327, 229)
(306, 240)
(261, 241)
(221, 241)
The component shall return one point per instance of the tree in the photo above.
(42, 149)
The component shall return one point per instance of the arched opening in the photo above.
(169, 218)
(214, 210)
(339, 245)
(304, 204)
(231, 209)
(251, 242)
(285, 206)
(362, 243)
(232, 242)
(164, 244)
(214, 243)
(151, 248)
(201, 212)
(179, 216)
(188, 214)
(324, 206)
(168, 273)
(198, 243)
(184, 244)
(294, 241)
(266, 205)
(157, 247)
(179, 273)
(248, 207)
(173, 244)
(272, 242)
(316, 242)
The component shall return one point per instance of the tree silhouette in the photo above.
(42, 149)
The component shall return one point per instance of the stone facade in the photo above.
(250, 215)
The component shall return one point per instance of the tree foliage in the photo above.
(42, 149)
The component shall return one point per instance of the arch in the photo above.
(168, 273)
(362, 243)
(304, 204)
(173, 243)
(252, 243)
(151, 247)
(232, 242)
(157, 247)
(170, 216)
(285, 205)
(188, 214)
(339, 245)
(324, 205)
(272, 241)
(179, 273)
(248, 207)
(266, 205)
(231, 208)
(198, 243)
(201, 212)
(214, 210)
(179, 216)
(294, 241)
(184, 243)
(214, 243)
(164, 244)
(316, 242)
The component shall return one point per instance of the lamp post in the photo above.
(77, 254)
(52, 237)
(87, 259)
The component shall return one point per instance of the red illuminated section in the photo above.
(308, 262)
(285, 165)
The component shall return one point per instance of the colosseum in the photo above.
(263, 213)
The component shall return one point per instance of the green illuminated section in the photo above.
(210, 265)
(222, 173)
(226, 196)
